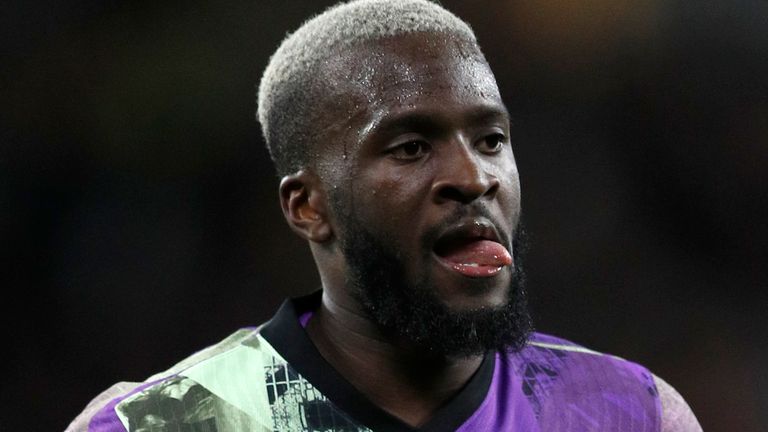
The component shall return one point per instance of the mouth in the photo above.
(472, 248)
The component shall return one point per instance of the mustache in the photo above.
(465, 212)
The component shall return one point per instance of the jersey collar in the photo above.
(287, 336)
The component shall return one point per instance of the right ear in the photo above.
(304, 206)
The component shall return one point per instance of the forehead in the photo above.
(419, 72)
(407, 68)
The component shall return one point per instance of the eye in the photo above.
(491, 144)
(411, 150)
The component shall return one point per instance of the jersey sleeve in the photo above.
(81, 422)
(676, 415)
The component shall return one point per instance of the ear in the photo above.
(304, 206)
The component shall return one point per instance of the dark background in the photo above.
(139, 218)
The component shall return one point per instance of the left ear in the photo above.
(304, 206)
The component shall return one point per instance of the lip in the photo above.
(475, 228)
(476, 271)
(480, 228)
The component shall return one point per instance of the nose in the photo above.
(463, 178)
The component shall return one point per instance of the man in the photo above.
(386, 125)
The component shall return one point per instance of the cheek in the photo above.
(511, 197)
(392, 197)
(511, 182)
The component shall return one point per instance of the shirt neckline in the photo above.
(288, 337)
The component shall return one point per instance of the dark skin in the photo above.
(422, 132)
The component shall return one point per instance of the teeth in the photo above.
(472, 265)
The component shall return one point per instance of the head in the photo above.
(386, 125)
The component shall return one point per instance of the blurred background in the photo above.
(139, 218)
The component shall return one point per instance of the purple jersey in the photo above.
(272, 378)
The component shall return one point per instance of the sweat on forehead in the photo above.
(291, 88)
(366, 70)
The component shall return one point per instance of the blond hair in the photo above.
(288, 89)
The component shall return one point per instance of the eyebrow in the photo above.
(426, 120)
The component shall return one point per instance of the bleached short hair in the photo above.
(289, 90)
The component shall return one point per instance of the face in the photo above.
(424, 188)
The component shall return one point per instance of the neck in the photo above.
(396, 375)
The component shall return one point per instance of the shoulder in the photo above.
(677, 416)
(102, 413)
(82, 421)
(559, 372)
(561, 367)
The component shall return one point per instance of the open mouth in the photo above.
(472, 249)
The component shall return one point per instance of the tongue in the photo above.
(480, 252)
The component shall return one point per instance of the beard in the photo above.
(411, 310)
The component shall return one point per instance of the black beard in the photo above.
(414, 312)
